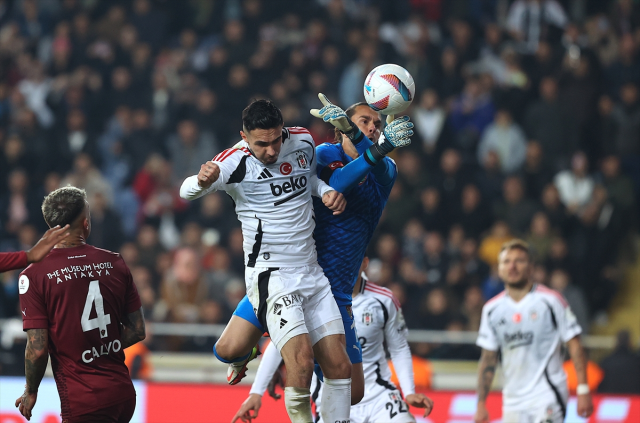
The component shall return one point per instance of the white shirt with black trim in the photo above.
(530, 334)
(273, 202)
(379, 321)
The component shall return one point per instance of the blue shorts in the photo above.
(245, 311)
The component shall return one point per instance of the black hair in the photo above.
(261, 114)
(63, 206)
(350, 111)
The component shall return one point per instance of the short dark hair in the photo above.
(516, 244)
(63, 206)
(350, 111)
(261, 114)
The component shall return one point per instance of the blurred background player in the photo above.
(340, 239)
(86, 352)
(379, 322)
(271, 176)
(529, 323)
(20, 259)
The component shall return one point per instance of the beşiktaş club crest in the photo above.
(367, 317)
(302, 160)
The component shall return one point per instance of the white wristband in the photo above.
(582, 389)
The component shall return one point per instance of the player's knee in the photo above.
(338, 369)
(229, 349)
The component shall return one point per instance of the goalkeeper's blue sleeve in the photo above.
(385, 170)
(331, 168)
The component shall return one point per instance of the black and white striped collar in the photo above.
(365, 279)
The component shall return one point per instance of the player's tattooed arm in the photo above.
(36, 356)
(134, 330)
(486, 372)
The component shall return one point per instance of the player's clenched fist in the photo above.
(209, 173)
(335, 201)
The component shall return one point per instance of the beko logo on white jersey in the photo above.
(292, 185)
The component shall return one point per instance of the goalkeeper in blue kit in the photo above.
(358, 167)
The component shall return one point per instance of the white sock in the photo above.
(336, 400)
(298, 404)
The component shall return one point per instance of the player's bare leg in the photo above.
(330, 352)
(357, 383)
(298, 358)
(237, 350)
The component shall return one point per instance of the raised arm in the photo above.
(198, 185)
(36, 356)
(134, 329)
(486, 373)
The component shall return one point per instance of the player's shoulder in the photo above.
(298, 137)
(381, 294)
(235, 153)
(329, 153)
(495, 302)
(549, 294)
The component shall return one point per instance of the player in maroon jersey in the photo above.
(19, 259)
(80, 306)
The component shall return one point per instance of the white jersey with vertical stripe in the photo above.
(530, 334)
(379, 319)
(273, 202)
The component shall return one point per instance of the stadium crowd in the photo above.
(527, 124)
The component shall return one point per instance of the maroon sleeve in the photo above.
(10, 261)
(32, 305)
(133, 302)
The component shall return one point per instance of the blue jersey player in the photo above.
(359, 168)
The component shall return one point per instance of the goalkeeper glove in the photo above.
(338, 118)
(396, 134)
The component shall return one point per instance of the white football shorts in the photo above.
(290, 301)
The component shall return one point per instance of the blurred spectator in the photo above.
(492, 243)
(575, 186)
(516, 209)
(434, 216)
(435, 260)
(353, 76)
(621, 368)
(561, 282)
(547, 123)
(86, 176)
(474, 214)
(188, 148)
(536, 173)
(530, 21)
(476, 270)
(106, 230)
(540, 237)
(506, 139)
(185, 289)
(18, 204)
(430, 120)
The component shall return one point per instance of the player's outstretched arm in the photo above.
(585, 404)
(134, 329)
(334, 201)
(486, 373)
(47, 242)
(36, 356)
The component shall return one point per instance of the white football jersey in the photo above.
(530, 334)
(379, 320)
(273, 202)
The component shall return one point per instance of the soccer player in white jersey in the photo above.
(378, 318)
(271, 176)
(529, 323)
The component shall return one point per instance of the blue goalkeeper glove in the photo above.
(338, 118)
(396, 134)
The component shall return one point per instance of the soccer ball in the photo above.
(389, 89)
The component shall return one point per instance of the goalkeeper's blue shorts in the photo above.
(245, 311)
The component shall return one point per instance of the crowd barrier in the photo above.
(207, 403)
